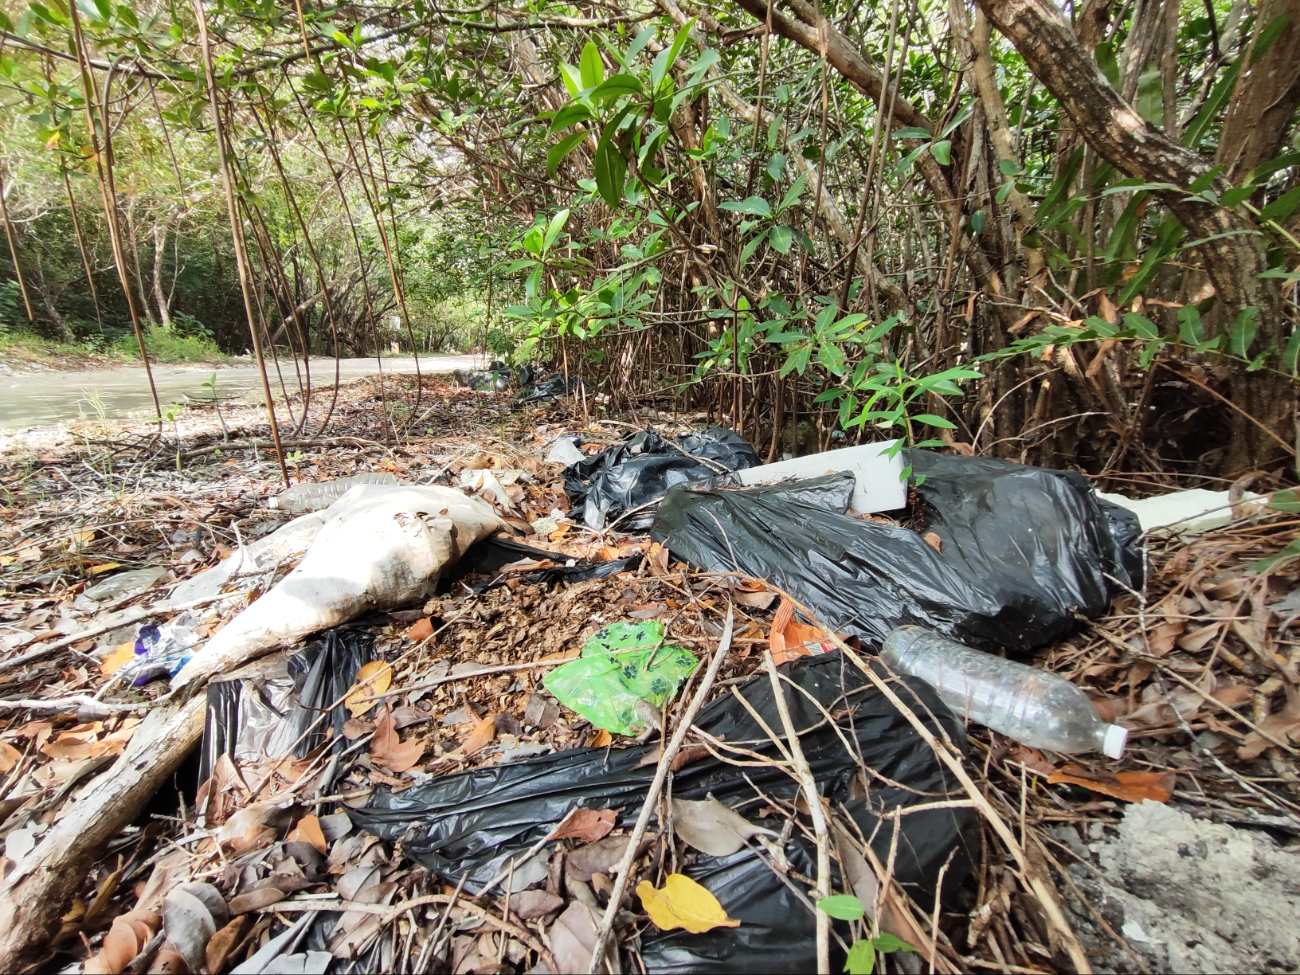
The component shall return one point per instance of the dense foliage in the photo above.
(1072, 240)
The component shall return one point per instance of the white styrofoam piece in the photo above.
(1194, 510)
(879, 478)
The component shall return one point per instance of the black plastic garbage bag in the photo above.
(254, 717)
(492, 554)
(642, 469)
(1023, 550)
(544, 389)
(474, 822)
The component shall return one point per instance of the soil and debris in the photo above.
(1184, 856)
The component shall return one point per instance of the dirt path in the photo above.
(45, 398)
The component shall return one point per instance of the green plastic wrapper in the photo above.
(604, 684)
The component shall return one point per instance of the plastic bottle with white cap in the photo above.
(1032, 706)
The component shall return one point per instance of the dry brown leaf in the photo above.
(355, 728)
(1032, 759)
(601, 739)
(682, 903)
(389, 750)
(1161, 639)
(756, 600)
(421, 630)
(482, 735)
(262, 897)
(532, 904)
(711, 827)
(586, 825)
(67, 750)
(1198, 640)
(225, 941)
(933, 540)
(1284, 726)
(113, 662)
(373, 678)
(1233, 694)
(1128, 786)
(685, 755)
(9, 756)
(168, 961)
(308, 831)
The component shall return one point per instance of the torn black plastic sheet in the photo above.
(640, 470)
(260, 712)
(475, 822)
(495, 555)
(1023, 551)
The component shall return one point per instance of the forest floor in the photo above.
(1183, 856)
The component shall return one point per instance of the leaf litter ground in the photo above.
(1203, 668)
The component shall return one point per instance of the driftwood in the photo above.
(39, 888)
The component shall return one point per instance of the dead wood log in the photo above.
(40, 887)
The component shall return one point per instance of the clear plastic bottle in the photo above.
(1032, 706)
(315, 495)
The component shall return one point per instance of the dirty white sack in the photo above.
(378, 546)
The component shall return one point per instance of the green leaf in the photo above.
(748, 251)
(591, 68)
(1242, 335)
(930, 420)
(1142, 325)
(755, 206)
(1235, 195)
(887, 942)
(619, 84)
(1291, 353)
(844, 907)
(1282, 207)
(555, 228)
(610, 172)
(780, 238)
(1009, 167)
(776, 165)
(911, 132)
(1287, 502)
(1288, 554)
(793, 193)
(942, 152)
(1149, 352)
(638, 45)
(976, 222)
(569, 114)
(1004, 192)
(1190, 329)
(1281, 272)
(572, 80)
(560, 151)
(861, 959)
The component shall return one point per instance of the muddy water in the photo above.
(41, 399)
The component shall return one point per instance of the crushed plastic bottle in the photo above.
(315, 495)
(1032, 706)
(161, 650)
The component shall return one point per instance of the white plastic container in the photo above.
(1033, 706)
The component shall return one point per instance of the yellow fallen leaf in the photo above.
(682, 903)
(373, 678)
(111, 664)
(94, 570)
(78, 538)
(8, 559)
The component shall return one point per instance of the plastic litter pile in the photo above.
(611, 702)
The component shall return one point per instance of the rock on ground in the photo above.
(1188, 895)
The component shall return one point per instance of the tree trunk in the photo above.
(1265, 98)
(1232, 250)
(159, 295)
